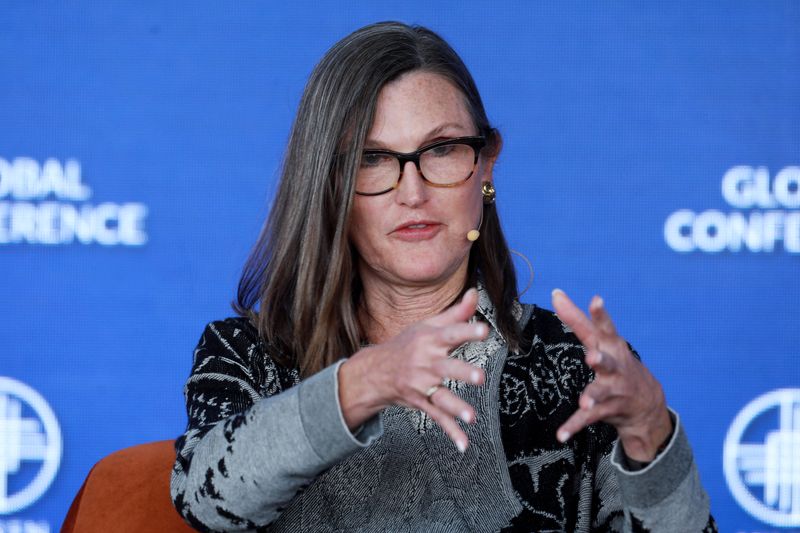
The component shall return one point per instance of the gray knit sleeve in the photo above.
(237, 473)
(667, 494)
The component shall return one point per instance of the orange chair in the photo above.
(128, 491)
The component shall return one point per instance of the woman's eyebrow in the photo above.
(373, 144)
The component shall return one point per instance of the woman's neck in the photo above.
(390, 307)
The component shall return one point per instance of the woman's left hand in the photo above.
(624, 393)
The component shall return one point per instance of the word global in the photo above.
(743, 187)
(31, 217)
(26, 179)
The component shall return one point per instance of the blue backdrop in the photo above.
(650, 155)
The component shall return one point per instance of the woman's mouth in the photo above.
(417, 231)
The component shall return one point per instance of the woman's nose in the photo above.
(411, 190)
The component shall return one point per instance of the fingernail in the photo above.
(475, 376)
(600, 301)
(563, 435)
(480, 329)
(466, 416)
(461, 445)
(556, 292)
(590, 403)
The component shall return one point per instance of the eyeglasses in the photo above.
(447, 163)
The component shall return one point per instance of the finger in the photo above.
(585, 417)
(574, 424)
(457, 334)
(452, 404)
(462, 311)
(602, 362)
(601, 318)
(596, 393)
(458, 370)
(569, 313)
(444, 420)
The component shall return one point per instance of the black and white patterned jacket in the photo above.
(266, 451)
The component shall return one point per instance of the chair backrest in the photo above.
(128, 491)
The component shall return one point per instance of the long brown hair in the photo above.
(300, 285)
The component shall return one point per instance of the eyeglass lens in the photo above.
(441, 165)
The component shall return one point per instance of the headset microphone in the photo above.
(488, 192)
(473, 234)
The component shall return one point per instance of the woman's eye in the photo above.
(373, 160)
(441, 151)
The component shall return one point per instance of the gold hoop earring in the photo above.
(487, 189)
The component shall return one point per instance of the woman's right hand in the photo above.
(402, 370)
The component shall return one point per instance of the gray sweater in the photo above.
(265, 451)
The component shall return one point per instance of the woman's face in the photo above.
(416, 235)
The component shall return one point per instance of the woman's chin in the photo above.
(414, 269)
(422, 274)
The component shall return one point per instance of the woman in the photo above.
(382, 375)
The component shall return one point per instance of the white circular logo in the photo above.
(763, 472)
(25, 438)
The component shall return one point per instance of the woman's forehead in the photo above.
(419, 106)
